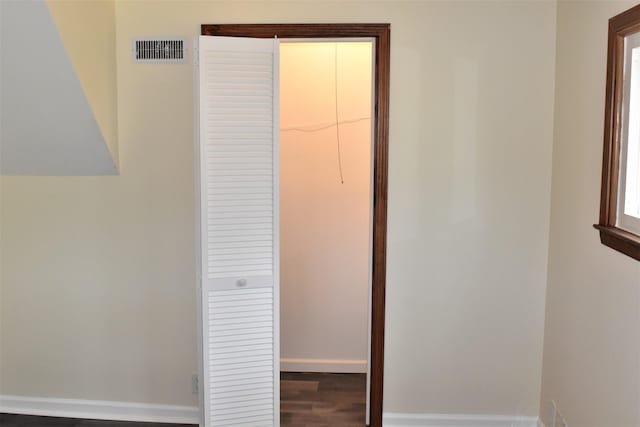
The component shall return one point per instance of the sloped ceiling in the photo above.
(88, 32)
(47, 125)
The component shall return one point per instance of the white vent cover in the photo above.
(159, 50)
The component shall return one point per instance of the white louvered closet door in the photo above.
(238, 91)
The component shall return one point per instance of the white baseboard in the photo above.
(323, 365)
(126, 411)
(99, 410)
(455, 420)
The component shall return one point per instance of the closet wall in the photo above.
(325, 217)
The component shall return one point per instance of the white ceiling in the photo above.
(47, 126)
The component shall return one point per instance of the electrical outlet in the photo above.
(194, 383)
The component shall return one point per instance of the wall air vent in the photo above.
(159, 50)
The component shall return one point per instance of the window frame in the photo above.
(632, 42)
(611, 234)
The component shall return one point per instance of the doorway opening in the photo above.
(217, 297)
(325, 230)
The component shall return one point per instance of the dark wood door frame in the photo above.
(381, 34)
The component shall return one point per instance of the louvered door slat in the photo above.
(231, 404)
(239, 226)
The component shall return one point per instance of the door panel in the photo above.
(238, 91)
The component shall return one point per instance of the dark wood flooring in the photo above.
(315, 400)
(10, 420)
(306, 400)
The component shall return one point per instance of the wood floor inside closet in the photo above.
(314, 399)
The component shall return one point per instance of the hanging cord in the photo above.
(335, 72)
(324, 126)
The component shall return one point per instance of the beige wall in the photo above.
(325, 228)
(98, 299)
(88, 31)
(592, 330)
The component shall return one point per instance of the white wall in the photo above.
(97, 279)
(592, 330)
(325, 227)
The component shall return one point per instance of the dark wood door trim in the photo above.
(381, 33)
